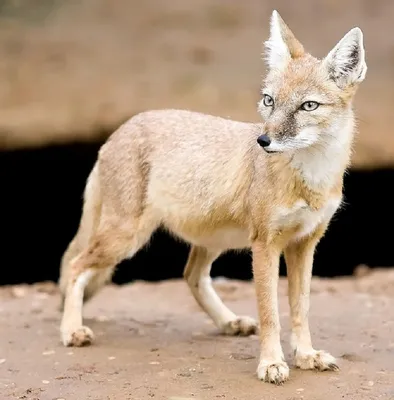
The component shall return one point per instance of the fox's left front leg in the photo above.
(299, 261)
(272, 366)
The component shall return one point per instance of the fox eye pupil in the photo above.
(268, 100)
(310, 105)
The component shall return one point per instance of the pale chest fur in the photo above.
(303, 218)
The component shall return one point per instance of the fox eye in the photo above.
(310, 105)
(268, 100)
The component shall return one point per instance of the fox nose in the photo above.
(264, 141)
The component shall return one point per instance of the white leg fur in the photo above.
(72, 331)
(197, 274)
(299, 260)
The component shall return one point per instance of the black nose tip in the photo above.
(263, 140)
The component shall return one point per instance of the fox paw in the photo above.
(317, 360)
(243, 326)
(82, 336)
(273, 372)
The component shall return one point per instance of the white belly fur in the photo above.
(224, 238)
(308, 219)
(233, 237)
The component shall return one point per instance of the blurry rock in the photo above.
(18, 291)
(362, 270)
(47, 287)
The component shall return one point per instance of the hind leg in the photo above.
(94, 283)
(88, 225)
(197, 275)
(72, 330)
(108, 247)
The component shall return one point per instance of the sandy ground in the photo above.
(153, 342)
(77, 69)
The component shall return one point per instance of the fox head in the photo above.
(305, 101)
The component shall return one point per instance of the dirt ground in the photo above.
(153, 342)
(76, 69)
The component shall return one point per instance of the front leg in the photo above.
(272, 366)
(299, 261)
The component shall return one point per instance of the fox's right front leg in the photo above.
(272, 366)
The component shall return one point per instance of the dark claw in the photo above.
(333, 367)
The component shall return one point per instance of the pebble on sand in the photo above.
(48, 353)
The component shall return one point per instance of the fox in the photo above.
(271, 187)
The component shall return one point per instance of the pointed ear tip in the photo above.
(357, 32)
(275, 16)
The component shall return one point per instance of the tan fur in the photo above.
(207, 181)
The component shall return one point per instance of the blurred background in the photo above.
(71, 71)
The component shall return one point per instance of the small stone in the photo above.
(369, 304)
(370, 383)
(42, 296)
(300, 389)
(242, 356)
(18, 292)
(2, 360)
(205, 386)
(47, 287)
(111, 358)
(48, 353)
(185, 374)
(352, 357)
(45, 382)
(154, 363)
(361, 271)
(180, 398)
(70, 353)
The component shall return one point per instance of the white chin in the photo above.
(271, 151)
(275, 148)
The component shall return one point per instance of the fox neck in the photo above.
(322, 164)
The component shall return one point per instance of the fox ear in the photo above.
(282, 45)
(346, 61)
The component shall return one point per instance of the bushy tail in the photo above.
(87, 227)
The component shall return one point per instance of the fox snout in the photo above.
(264, 141)
(269, 143)
(273, 134)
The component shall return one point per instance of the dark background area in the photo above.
(42, 199)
